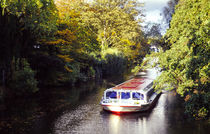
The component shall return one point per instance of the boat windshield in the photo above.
(137, 96)
(111, 94)
(125, 95)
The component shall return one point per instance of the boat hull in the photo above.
(129, 109)
(124, 109)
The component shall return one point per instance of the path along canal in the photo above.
(77, 111)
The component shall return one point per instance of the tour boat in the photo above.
(134, 95)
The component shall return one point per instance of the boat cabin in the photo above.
(134, 91)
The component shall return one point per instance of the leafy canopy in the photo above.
(186, 64)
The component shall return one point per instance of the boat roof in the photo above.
(134, 84)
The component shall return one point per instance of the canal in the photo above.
(76, 110)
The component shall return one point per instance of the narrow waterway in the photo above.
(77, 111)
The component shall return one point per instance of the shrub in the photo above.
(24, 82)
(114, 64)
(110, 62)
(91, 72)
(48, 69)
(197, 106)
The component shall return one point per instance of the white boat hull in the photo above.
(124, 109)
(116, 108)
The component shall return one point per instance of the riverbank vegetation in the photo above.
(185, 57)
(54, 43)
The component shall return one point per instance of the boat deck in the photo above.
(133, 84)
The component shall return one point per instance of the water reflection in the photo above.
(150, 122)
(91, 119)
(114, 123)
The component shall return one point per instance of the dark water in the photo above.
(77, 111)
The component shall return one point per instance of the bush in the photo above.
(197, 106)
(72, 75)
(24, 82)
(91, 72)
(93, 65)
(114, 64)
(48, 69)
(110, 62)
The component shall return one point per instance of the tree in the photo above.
(23, 24)
(114, 22)
(153, 34)
(85, 23)
(169, 10)
(72, 42)
(186, 64)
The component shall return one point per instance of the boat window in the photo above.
(138, 96)
(150, 93)
(125, 95)
(111, 94)
(141, 96)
